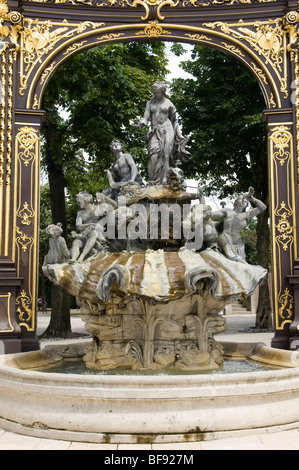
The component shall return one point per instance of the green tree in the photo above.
(99, 91)
(221, 108)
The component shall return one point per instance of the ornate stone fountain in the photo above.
(147, 266)
(151, 267)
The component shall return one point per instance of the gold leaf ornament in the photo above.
(4, 10)
(281, 138)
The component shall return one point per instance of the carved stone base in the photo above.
(155, 309)
(146, 335)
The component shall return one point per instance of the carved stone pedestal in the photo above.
(155, 309)
(148, 335)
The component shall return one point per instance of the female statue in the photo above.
(124, 168)
(164, 137)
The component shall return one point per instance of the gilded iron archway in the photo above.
(38, 35)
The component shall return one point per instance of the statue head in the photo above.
(100, 198)
(116, 145)
(159, 87)
(84, 198)
(54, 231)
(240, 204)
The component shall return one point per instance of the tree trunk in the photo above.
(263, 321)
(260, 175)
(59, 326)
(44, 305)
(56, 183)
(60, 322)
(264, 312)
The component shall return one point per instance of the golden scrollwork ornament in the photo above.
(285, 230)
(27, 138)
(281, 138)
(24, 310)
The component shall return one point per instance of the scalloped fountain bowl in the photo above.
(147, 408)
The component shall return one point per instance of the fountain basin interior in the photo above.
(147, 408)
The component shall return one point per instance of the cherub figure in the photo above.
(90, 231)
(58, 252)
(209, 232)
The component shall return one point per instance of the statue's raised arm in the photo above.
(259, 205)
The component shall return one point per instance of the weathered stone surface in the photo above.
(157, 275)
(156, 309)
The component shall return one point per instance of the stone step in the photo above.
(237, 308)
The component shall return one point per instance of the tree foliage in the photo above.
(222, 109)
(90, 101)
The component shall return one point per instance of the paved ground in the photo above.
(273, 440)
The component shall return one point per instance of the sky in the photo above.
(174, 62)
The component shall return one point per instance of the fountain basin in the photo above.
(145, 408)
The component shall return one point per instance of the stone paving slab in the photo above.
(283, 440)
